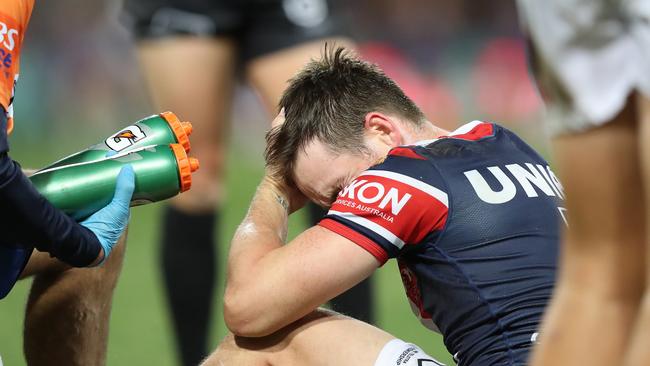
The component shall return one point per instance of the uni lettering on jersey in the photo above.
(531, 178)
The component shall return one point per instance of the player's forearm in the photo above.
(254, 271)
(263, 229)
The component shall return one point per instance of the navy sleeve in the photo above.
(27, 219)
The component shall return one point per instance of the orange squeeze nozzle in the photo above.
(182, 130)
(194, 164)
(186, 166)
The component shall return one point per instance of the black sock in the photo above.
(357, 301)
(189, 274)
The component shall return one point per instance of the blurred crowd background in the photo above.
(459, 60)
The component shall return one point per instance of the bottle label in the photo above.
(125, 138)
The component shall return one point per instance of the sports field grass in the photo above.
(140, 330)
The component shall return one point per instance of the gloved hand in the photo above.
(108, 223)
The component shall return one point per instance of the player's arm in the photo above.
(270, 284)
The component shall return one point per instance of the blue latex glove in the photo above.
(109, 223)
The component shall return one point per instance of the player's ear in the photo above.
(384, 128)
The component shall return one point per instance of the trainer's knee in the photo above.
(70, 308)
(93, 284)
(42, 265)
(110, 271)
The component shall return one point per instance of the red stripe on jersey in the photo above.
(410, 281)
(406, 152)
(361, 240)
(406, 211)
(480, 131)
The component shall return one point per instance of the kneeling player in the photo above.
(472, 216)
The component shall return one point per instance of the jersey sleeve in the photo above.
(28, 220)
(390, 206)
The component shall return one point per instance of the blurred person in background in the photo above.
(66, 321)
(591, 60)
(190, 53)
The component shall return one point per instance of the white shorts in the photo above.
(399, 353)
(588, 57)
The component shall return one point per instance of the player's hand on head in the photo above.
(109, 223)
(287, 192)
(292, 197)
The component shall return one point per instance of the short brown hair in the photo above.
(328, 100)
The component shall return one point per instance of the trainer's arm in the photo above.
(271, 285)
(29, 219)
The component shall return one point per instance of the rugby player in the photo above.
(591, 60)
(472, 217)
(191, 52)
(66, 321)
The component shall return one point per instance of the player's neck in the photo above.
(427, 132)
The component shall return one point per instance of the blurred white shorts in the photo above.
(399, 353)
(588, 56)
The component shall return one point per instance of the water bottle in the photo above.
(159, 129)
(80, 189)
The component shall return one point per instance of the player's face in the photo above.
(320, 173)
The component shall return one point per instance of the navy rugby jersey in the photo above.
(473, 219)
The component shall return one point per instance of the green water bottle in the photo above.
(80, 189)
(159, 129)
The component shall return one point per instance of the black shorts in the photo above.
(258, 26)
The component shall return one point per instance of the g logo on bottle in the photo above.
(125, 138)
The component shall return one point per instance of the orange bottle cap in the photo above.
(186, 166)
(194, 164)
(182, 130)
(187, 127)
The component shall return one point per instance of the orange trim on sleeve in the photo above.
(361, 240)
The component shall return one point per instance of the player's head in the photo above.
(341, 116)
